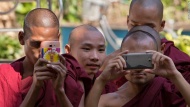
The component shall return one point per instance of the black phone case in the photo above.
(138, 60)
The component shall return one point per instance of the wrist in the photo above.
(36, 86)
(176, 76)
(100, 80)
(59, 91)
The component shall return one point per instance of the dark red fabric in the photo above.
(180, 59)
(14, 89)
(158, 93)
(9, 87)
(47, 96)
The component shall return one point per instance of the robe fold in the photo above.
(180, 59)
(47, 98)
(158, 93)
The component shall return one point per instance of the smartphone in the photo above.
(138, 61)
(50, 50)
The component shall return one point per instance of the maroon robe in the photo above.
(158, 93)
(47, 96)
(180, 59)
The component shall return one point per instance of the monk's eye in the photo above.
(35, 44)
(101, 50)
(86, 49)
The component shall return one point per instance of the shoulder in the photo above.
(8, 76)
(108, 100)
(6, 70)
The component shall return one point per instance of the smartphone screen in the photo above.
(50, 50)
(138, 60)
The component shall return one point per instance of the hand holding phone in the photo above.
(50, 50)
(138, 60)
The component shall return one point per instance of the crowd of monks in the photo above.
(85, 76)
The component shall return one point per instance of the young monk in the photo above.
(145, 87)
(150, 13)
(27, 80)
(87, 45)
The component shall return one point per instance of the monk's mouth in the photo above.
(93, 66)
(139, 74)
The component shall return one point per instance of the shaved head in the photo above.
(81, 30)
(154, 4)
(144, 33)
(40, 17)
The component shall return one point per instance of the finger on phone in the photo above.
(47, 73)
(41, 62)
(123, 52)
(62, 59)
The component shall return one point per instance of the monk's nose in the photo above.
(94, 56)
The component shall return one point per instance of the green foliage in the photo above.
(177, 10)
(10, 47)
(182, 42)
(72, 10)
(22, 9)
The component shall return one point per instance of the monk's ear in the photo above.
(127, 20)
(67, 48)
(59, 35)
(21, 37)
(162, 25)
(163, 48)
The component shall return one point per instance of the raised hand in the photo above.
(41, 72)
(114, 68)
(164, 65)
(108, 57)
(60, 70)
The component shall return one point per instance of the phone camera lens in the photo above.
(50, 45)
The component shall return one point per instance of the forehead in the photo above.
(90, 37)
(144, 13)
(44, 33)
(138, 45)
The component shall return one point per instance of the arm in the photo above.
(183, 86)
(62, 98)
(112, 70)
(95, 93)
(31, 97)
(40, 74)
(165, 67)
(81, 104)
(60, 70)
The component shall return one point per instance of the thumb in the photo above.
(123, 52)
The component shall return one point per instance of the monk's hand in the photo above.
(41, 72)
(163, 65)
(108, 57)
(60, 70)
(114, 68)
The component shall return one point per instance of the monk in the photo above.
(40, 85)
(145, 87)
(33, 81)
(87, 45)
(150, 13)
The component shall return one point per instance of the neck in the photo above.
(28, 68)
